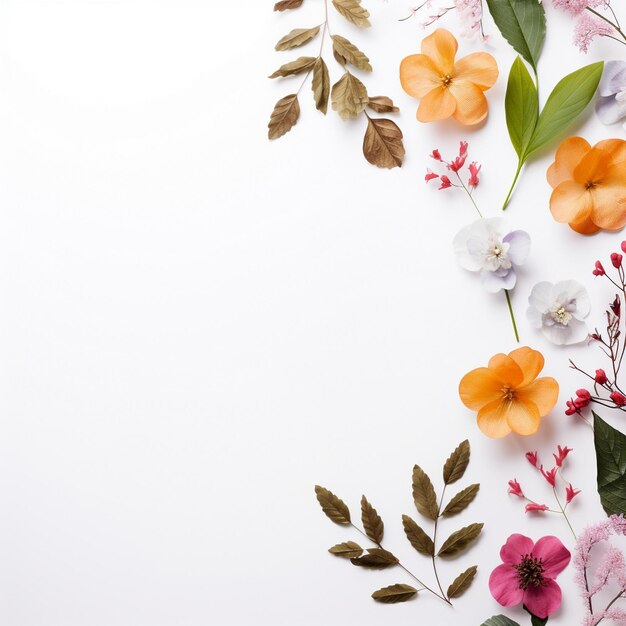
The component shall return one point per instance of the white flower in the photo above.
(559, 310)
(486, 247)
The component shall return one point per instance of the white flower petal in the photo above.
(494, 282)
(575, 332)
(613, 78)
(534, 317)
(571, 291)
(519, 249)
(541, 296)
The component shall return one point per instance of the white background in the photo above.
(198, 325)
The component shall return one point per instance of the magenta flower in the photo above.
(527, 574)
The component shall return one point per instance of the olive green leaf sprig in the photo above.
(426, 544)
(382, 144)
(523, 24)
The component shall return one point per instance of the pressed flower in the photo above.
(589, 185)
(561, 454)
(570, 493)
(485, 246)
(611, 106)
(507, 394)
(447, 88)
(515, 489)
(527, 574)
(550, 476)
(559, 310)
(532, 458)
(534, 507)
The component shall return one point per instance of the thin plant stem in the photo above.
(508, 301)
(608, 21)
(556, 497)
(435, 543)
(469, 193)
(517, 173)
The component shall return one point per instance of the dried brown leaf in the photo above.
(417, 537)
(457, 463)
(321, 85)
(349, 96)
(376, 558)
(394, 593)
(353, 12)
(372, 522)
(382, 104)
(297, 37)
(347, 550)
(334, 507)
(462, 582)
(284, 116)
(460, 540)
(424, 494)
(382, 145)
(284, 5)
(300, 65)
(347, 52)
(461, 500)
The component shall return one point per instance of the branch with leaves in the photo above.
(382, 144)
(429, 506)
(523, 24)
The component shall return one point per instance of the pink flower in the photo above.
(572, 409)
(532, 458)
(474, 168)
(573, 7)
(583, 398)
(430, 175)
(623, 246)
(601, 377)
(570, 493)
(445, 183)
(527, 574)
(588, 27)
(533, 507)
(599, 271)
(618, 398)
(549, 476)
(515, 489)
(616, 260)
(561, 454)
(463, 149)
(435, 154)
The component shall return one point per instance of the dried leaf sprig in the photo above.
(382, 144)
(430, 507)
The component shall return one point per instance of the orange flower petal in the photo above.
(609, 205)
(568, 155)
(479, 68)
(616, 147)
(571, 202)
(543, 393)
(592, 166)
(438, 104)
(471, 104)
(441, 47)
(492, 419)
(418, 75)
(530, 361)
(584, 226)
(523, 417)
(479, 387)
(506, 370)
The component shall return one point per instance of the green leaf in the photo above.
(523, 24)
(424, 494)
(394, 593)
(534, 620)
(372, 522)
(376, 558)
(417, 537)
(334, 507)
(462, 582)
(460, 540)
(461, 500)
(566, 102)
(348, 550)
(457, 463)
(499, 620)
(522, 106)
(611, 459)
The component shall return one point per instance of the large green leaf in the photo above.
(523, 24)
(611, 458)
(522, 106)
(499, 620)
(566, 102)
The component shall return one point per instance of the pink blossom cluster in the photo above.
(612, 568)
(470, 13)
(454, 166)
(575, 7)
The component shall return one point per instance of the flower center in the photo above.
(530, 572)
(508, 393)
(561, 316)
(590, 184)
(446, 80)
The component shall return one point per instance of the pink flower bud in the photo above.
(571, 408)
(582, 399)
(463, 149)
(457, 164)
(515, 489)
(618, 398)
(435, 154)
(561, 454)
(549, 476)
(570, 493)
(624, 247)
(474, 168)
(616, 259)
(616, 306)
(599, 271)
(532, 507)
(532, 458)
(430, 175)
(445, 183)
(600, 377)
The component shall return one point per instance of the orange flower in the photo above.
(447, 88)
(508, 395)
(589, 185)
